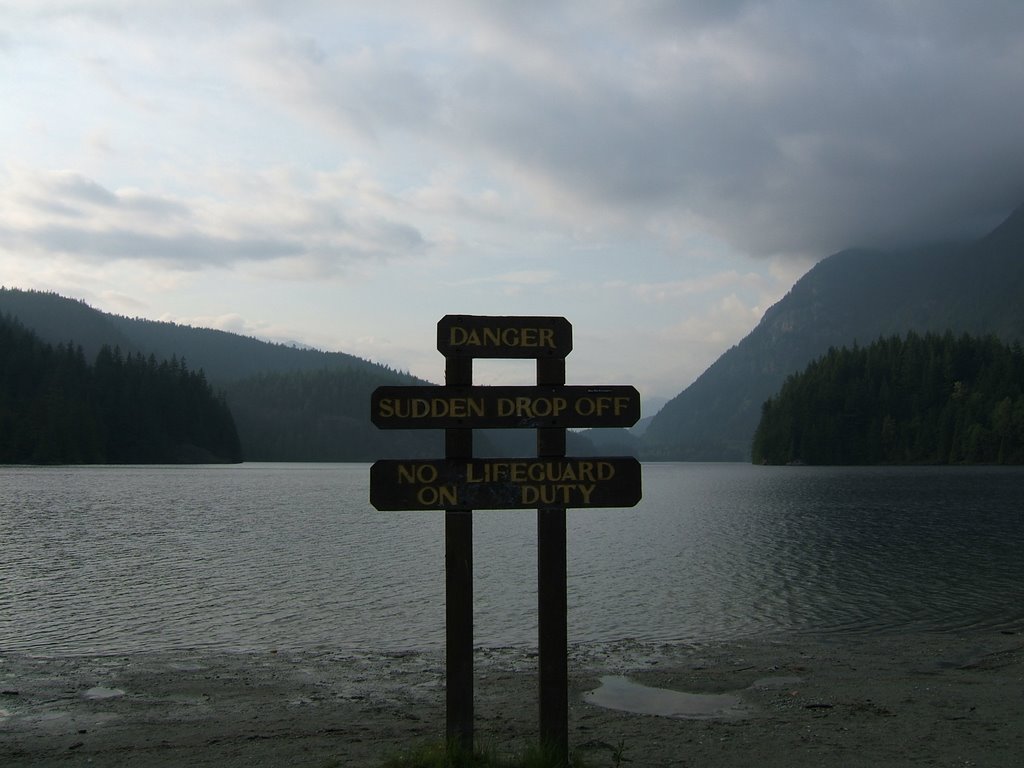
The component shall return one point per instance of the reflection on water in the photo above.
(112, 559)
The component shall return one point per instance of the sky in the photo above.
(344, 174)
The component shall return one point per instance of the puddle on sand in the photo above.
(621, 693)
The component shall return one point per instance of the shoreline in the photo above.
(946, 699)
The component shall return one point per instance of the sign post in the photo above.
(458, 569)
(549, 482)
(552, 588)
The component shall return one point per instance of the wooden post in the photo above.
(458, 559)
(552, 604)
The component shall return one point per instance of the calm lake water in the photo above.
(263, 556)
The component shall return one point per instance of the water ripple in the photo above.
(117, 559)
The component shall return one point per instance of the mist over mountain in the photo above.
(855, 295)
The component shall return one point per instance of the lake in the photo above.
(292, 556)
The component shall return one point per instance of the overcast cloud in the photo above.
(343, 174)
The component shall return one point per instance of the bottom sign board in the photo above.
(598, 481)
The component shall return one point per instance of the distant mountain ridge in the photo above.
(853, 296)
(289, 404)
(222, 355)
(301, 404)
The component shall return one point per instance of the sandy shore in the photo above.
(936, 700)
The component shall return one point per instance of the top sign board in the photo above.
(504, 337)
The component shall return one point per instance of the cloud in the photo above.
(674, 290)
(271, 217)
(361, 92)
(674, 162)
(182, 250)
(779, 127)
(796, 127)
(518, 278)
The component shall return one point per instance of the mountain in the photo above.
(222, 356)
(57, 408)
(901, 400)
(854, 296)
(289, 404)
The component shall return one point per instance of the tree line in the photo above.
(56, 408)
(932, 399)
(321, 415)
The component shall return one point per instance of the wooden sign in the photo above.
(460, 483)
(504, 337)
(504, 407)
(529, 483)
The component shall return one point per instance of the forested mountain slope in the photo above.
(289, 404)
(852, 296)
(58, 408)
(913, 400)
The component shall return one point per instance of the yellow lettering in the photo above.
(417, 473)
(435, 407)
(556, 494)
(496, 336)
(492, 337)
(444, 496)
(542, 407)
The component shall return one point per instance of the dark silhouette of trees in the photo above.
(920, 399)
(56, 408)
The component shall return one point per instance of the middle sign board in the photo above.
(504, 407)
